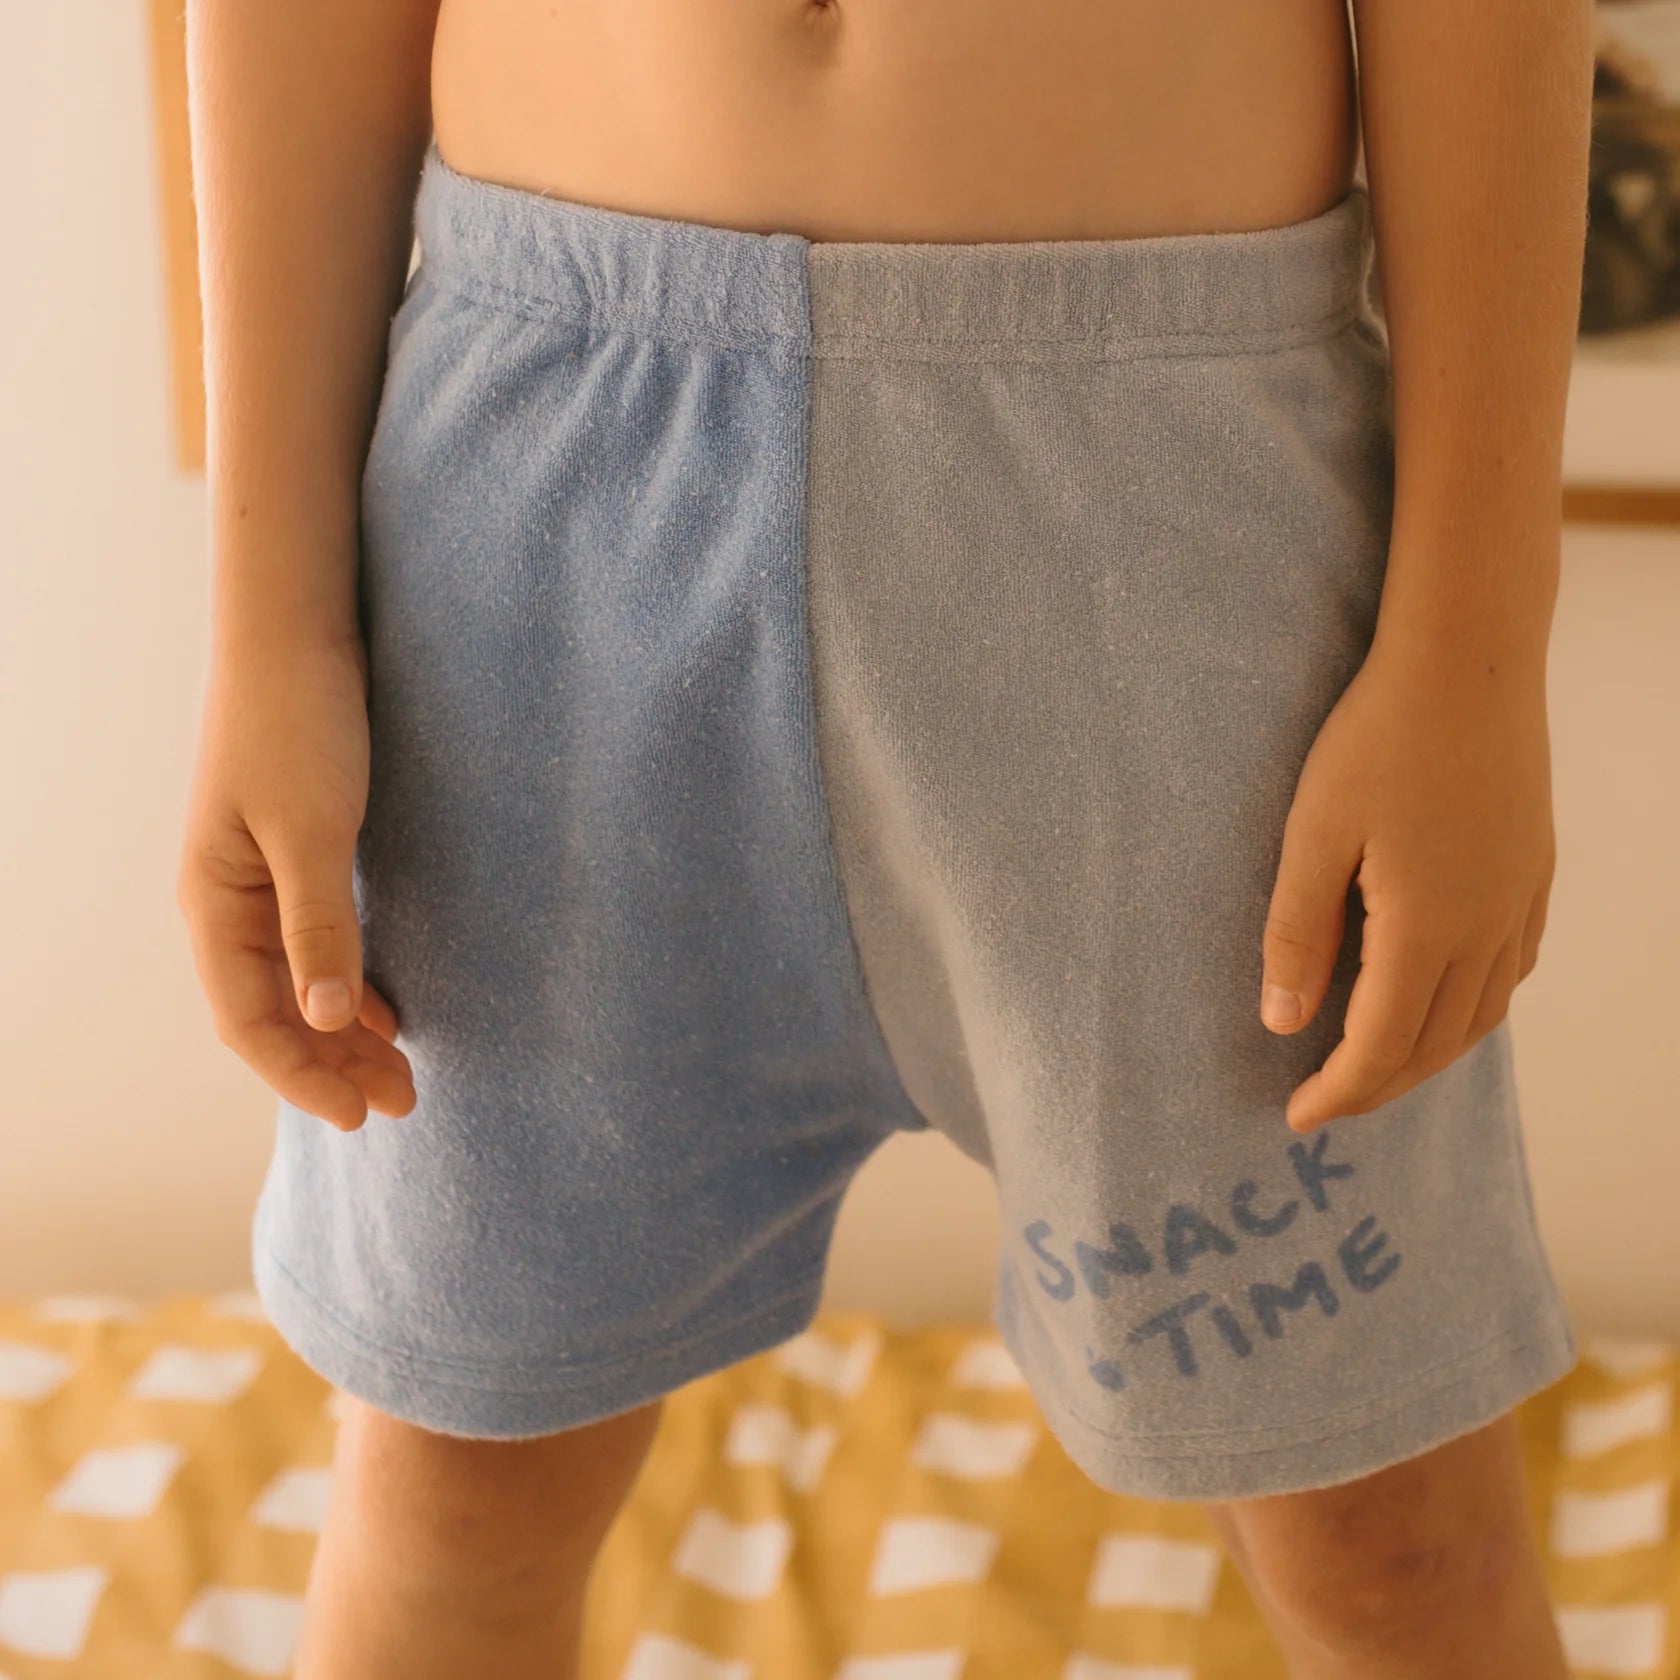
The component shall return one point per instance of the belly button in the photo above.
(821, 14)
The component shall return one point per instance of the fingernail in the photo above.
(325, 1001)
(1279, 1008)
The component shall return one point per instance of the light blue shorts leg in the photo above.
(595, 877)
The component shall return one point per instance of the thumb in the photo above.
(319, 925)
(1305, 923)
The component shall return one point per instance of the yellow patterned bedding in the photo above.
(862, 1503)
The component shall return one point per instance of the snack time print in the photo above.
(1190, 1330)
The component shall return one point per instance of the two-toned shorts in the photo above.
(820, 690)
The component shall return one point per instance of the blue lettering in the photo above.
(1189, 1234)
(1063, 1288)
(1171, 1321)
(1313, 1170)
(1105, 1371)
(1310, 1282)
(1256, 1225)
(1355, 1259)
(1232, 1331)
(1127, 1258)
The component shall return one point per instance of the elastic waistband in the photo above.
(538, 255)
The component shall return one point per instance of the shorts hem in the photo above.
(1476, 1390)
(440, 1396)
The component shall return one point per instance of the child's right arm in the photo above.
(309, 123)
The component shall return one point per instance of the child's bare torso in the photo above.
(908, 119)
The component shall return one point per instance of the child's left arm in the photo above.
(1430, 781)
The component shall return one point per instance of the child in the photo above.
(880, 574)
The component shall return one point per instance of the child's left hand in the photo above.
(1432, 780)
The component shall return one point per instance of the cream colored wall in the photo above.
(132, 1143)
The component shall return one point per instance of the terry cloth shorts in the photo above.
(820, 690)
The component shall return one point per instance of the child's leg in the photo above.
(1426, 1570)
(593, 881)
(447, 1557)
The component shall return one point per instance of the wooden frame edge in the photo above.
(168, 31)
(1621, 504)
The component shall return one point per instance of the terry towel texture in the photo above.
(820, 690)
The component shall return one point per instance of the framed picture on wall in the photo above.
(1622, 444)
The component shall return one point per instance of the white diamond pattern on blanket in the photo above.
(295, 1499)
(256, 1632)
(31, 1373)
(85, 1309)
(1083, 1667)
(856, 1512)
(1627, 1356)
(987, 1363)
(239, 1303)
(1624, 1640)
(907, 1665)
(186, 1373)
(842, 1370)
(118, 1481)
(1593, 1524)
(917, 1552)
(1144, 1571)
(658, 1658)
(46, 1613)
(769, 1435)
(738, 1560)
(1592, 1427)
(959, 1446)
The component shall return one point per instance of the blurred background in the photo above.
(165, 1461)
(132, 1144)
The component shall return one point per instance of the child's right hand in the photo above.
(278, 795)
